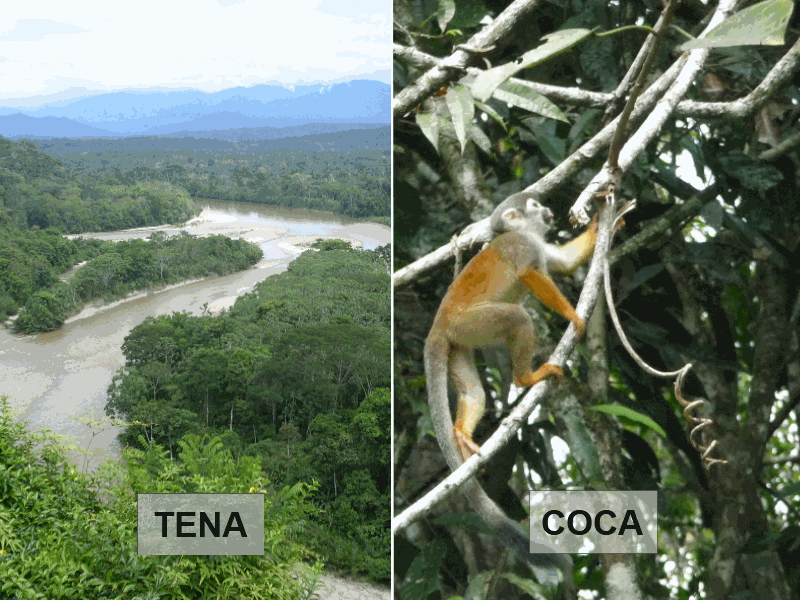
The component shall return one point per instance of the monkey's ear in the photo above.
(531, 204)
(511, 214)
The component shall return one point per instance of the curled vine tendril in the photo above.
(689, 406)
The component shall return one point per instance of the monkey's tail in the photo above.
(546, 563)
(437, 356)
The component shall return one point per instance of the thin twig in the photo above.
(638, 87)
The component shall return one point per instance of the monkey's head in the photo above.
(519, 212)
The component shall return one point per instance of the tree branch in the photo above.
(570, 95)
(778, 76)
(654, 122)
(655, 43)
(451, 68)
(784, 147)
(666, 225)
(780, 418)
(779, 460)
(559, 176)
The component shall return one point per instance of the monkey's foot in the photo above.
(532, 378)
(465, 445)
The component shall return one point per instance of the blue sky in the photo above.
(55, 50)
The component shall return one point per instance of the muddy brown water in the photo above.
(58, 380)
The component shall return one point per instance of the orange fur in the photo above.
(482, 306)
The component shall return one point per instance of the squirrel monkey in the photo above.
(481, 307)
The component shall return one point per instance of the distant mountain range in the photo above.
(251, 110)
(103, 150)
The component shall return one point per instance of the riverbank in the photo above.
(291, 246)
(244, 223)
(52, 378)
(211, 222)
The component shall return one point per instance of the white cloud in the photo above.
(207, 44)
(33, 30)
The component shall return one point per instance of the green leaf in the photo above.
(423, 576)
(557, 42)
(790, 490)
(468, 14)
(623, 411)
(582, 447)
(429, 124)
(763, 24)
(524, 97)
(530, 587)
(478, 586)
(713, 213)
(553, 147)
(480, 139)
(470, 521)
(447, 8)
(582, 128)
(492, 113)
(462, 110)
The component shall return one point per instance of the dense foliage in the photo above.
(316, 175)
(118, 269)
(65, 534)
(31, 261)
(37, 191)
(704, 272)
(294, 374)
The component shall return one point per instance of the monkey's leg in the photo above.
(479, 325)
(551, 296)
(471, 399)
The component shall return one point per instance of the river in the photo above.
(54, 379)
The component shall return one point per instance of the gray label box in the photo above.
(595, 522)
(230, 524)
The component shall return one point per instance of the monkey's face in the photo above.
(522, 212)
(539, 217)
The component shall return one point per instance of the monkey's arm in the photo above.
(551, 296)
(567, 258)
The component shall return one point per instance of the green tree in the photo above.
(239, 371)
(331, 446)
(704, 272)
(86, 547)
(203, 381)
(43, 312)
(371, 428)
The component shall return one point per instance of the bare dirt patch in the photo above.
(331, 587)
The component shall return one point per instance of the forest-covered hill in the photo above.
(40, 199)
(296, 374)
(80, 185)
(38, 191)
(86, 547)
